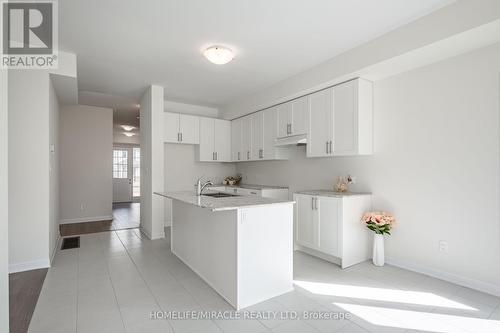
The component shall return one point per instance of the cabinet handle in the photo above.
(238, 156)
(213, 156)
(312, 203)
(331, 146)
(327, 147)
(178, 137)
(253, 192)
(181, 136)
(248, 154)
(216, 156)
(316, 203)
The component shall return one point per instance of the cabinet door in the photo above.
(307, 220)
(329, 225)
(207, 139)
(236, 140)
(257, 135)
(222, 140)
(320, 123)
(284, 119)
(246, 138)
(345, 131)
(299, 116)
(270, 117)
(171, 127)
(189, 127)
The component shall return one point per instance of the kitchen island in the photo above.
(242, 246)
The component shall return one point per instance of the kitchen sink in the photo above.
(219, 195)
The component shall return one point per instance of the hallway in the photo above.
(125, 216)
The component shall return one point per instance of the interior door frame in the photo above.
(130, 166)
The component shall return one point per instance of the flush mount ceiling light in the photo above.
(129, 134)
(219, 55)
(127, 127)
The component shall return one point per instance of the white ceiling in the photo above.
(123, 46)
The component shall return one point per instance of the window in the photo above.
(120, 163)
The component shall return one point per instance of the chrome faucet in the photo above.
(200, 187)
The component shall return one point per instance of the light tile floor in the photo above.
(114, 281)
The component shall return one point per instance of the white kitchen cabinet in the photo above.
(320, 133)
(236, 153)
(292, 117)
(257, 135)
(340, 120)
(307, 230)
(246, 138)
(222, 145)
(270, 151)
(265, 192)
(328, 226)
(181, 128)
(215, 140)
(353, 118)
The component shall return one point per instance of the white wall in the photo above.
(4, 206)
(86, 150)
(429, 30)
(182, 170)
(436, 167)
(198, 110)
(152, 169)
(28, 169)
(53, 170)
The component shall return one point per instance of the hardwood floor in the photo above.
(72, 229)
(24, 290)
(125, 216)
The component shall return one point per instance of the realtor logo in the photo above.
(29, 34)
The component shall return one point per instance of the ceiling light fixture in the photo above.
(219, 55)
(129, 134)
(128, 127)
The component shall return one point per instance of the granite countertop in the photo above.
(254, 187)
(221, 204)
(330, 193)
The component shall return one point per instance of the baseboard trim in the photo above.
(29, 265)
(478, 285)
(87, 219)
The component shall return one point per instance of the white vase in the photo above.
(378, 250)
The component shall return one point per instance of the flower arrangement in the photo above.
(379, 222)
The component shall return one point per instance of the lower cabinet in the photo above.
(272, 193)
(329, 226)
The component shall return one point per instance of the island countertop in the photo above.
(221, 204)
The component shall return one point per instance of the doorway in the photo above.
(126, 186)
(126, 174)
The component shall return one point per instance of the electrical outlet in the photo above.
(443, 246)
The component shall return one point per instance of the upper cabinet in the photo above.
(254, 137)
(353, 118)
(320, 132)
(236, 154)
(215, 140)
(246, 138)
(340, 120)
(181, 128)
(257, 120)
(292, 117)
